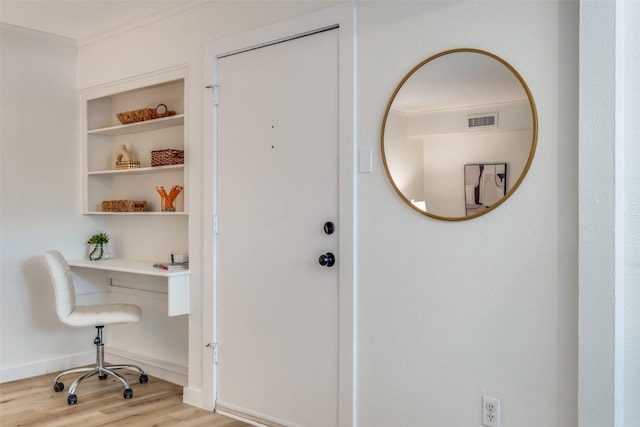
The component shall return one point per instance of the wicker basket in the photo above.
(143, 114)
(167, 157)
(124, 206)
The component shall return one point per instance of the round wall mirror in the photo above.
(459, 134)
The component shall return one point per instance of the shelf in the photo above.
(146, 126)
(181, 213)
(139, 171)
(128, 266)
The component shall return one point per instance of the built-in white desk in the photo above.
(177, 280)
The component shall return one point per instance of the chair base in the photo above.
(101, 370)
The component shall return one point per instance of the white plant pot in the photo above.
(99, 251)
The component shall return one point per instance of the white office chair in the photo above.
(97, 315)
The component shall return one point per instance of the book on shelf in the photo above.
(171, 265)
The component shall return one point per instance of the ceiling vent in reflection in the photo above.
(482, 121)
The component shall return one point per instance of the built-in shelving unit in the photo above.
(151, 236)
(104, 134)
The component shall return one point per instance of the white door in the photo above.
(277, 306)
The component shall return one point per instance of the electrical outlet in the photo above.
(490, 412)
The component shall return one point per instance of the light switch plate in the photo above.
(365, 160)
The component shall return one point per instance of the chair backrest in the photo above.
(62, 282)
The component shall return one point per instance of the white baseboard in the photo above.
(164, 370)
(250, 417)
(244, 419)
(48, 366)
(153, 367)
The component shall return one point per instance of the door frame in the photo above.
(343, 16)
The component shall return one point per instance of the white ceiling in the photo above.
(81, 19)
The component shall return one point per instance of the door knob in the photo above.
(329, 227)
(327, 259)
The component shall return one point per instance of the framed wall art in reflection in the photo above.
(484, 185)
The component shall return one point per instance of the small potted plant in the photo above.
(98, 247)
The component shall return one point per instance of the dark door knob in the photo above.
(329, 227)
(327, 259)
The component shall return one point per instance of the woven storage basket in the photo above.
(124, 206)
(167, 157)
(143, 114)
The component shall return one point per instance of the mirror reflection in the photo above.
(459, 134)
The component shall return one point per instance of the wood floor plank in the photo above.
(32, 402)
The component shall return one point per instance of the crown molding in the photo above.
(163, 14)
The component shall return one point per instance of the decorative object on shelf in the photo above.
(99, 247)
(144, 114)
(166, 200)
(129, 164)
(171, 265)
(169, 156)
(124, 206)
(178, 257)
(124, 159)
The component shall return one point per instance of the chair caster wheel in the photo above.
(143, 379)
(128, 393)
(102, 377)
(72, 399)
(58, 386)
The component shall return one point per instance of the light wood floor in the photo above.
(32, 402)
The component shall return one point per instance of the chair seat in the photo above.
(103, 314)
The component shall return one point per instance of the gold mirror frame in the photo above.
(525, 169)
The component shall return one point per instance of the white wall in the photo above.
(631, 279)
(449, 312)
(609, 347)
(40, 198)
